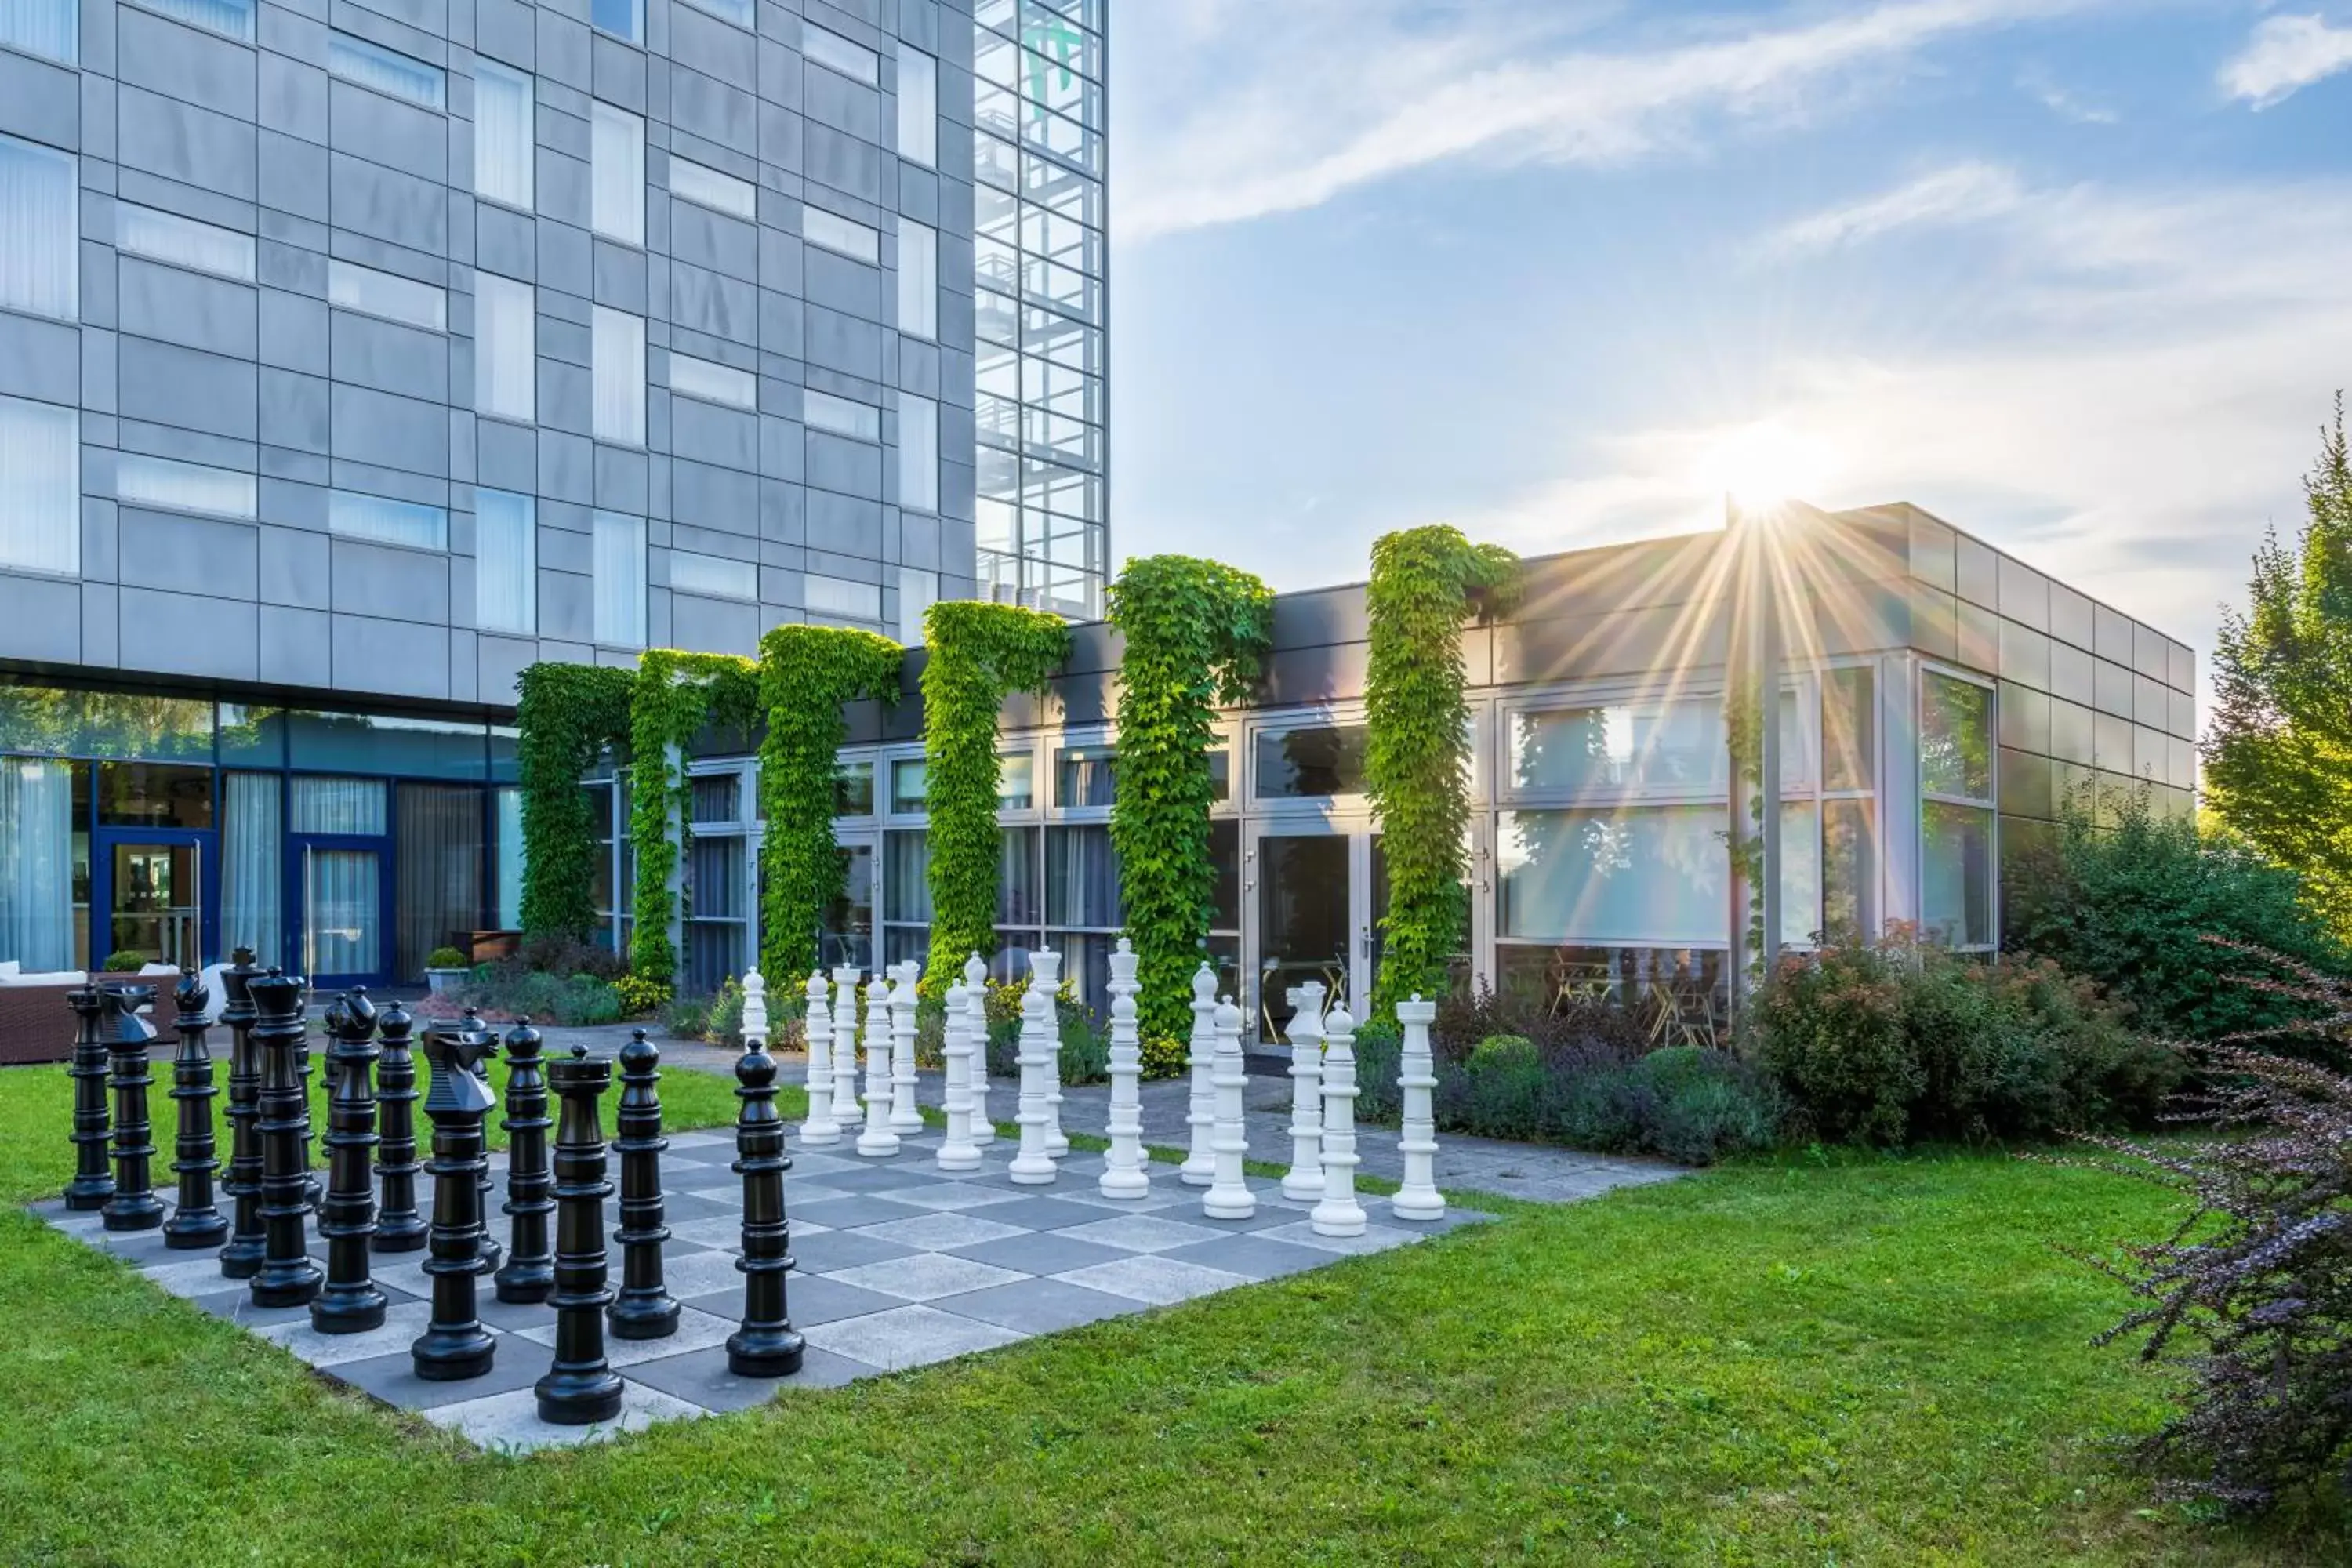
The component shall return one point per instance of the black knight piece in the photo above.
(241, 1258)
(93, 1179)
(490, 1253)
(645, 1310)
(766, 1345)
(454, 1345)
(581, 1386)
(529, 1271)
(134, 1205)
(195, 1221)
(398, 1226)
(350, 1302)
(288, 1277)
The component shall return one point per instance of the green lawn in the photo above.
(1857, 1361)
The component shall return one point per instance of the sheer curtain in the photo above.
(40, 253)
(324, 805)
(506, 562)
(253, 866)
(620, 580)
(37, 864)
(505, 328)
(509, 860)
(343, 911)
(504, 137)
(51, 27)
(436, 885)
(41, 480)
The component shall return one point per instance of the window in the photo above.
(386, 72)
(709, 188)
(1955, 819)
(1085, 776)
(620, 575)
(356, 287)
(183, 242)
(853, 789)
(506, 562)
(51, 27)
(622, 18)
(918, 278)
(1849, 869)
(505, 133)
(736, 11)
(41, 486)
(1955, 737)
(713, 383)
(905, 896)
(838, 596)
(617, 197)
(506, 363)
(617, 345)
(714, 575)
(1304, 764)
(917, 592)
(918, 453)
(1651, 875)
(910, 788)
(230, 18)
(837, 52)
(1675, 743)
(835, 232)
(1016, 781)
(184, 487)
(1849, 730)
(40, 230)
(823, 411)
(387, 522)
(919, 106)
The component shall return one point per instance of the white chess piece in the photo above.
(845, 1048)
(1418, 1198)
(975, 991)
(877, 1142)
(1304, 1181)
(1199, 1167)
(755, 1011)
(1033, 1166)
(1045, 974)
(956, 1150)
(1339, 1214)
(905, 1117)
(820, 1131)
(1124, 1173)
(1229, 1196)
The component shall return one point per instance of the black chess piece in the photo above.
(134, 1205)
(241, 1258)
(581, 1386)
(491, 1254)
(398, 1226)
(530, 1272)
(196, 1221)
(645, 1310)
(93, 1178)
(766, 1345)
(454, 1345)
(288, 1277)
(350, 1302)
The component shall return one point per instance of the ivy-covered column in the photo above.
(565, 715)
(676, 695)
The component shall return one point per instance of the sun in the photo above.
(1762, 464)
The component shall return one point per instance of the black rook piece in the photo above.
(134, 1205)
(288, 1277)
(349, 1303)
(93, 1182)
(455, 1344)
(645, 1309)
(530, 1272)
(195, 1222)
(241, 1258)
(767, 1345)
(581, 1386)
(398, 1226)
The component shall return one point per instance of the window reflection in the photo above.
(1327, 760)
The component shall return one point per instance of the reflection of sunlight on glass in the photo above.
(1764, 463)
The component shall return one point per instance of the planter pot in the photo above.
(446, 980)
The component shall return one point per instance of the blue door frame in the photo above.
(102, 845)
(297, 857)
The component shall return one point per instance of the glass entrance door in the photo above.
(1315, 907)
(342, 914)
(158, 902)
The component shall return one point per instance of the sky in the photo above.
(2075, 276)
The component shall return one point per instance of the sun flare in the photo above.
(1762, 464)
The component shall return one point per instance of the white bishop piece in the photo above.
(877, 1142)
(1339, 1214)
(1304, 1181)
(820, 1130)
(845, 1049)
(1199, 1167)
(1125, 1173)
(975, 991)
(905, 1117)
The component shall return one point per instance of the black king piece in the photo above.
(241, 1258)
(288, 1277)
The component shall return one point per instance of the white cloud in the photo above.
(2286, 55)
(1961, 193)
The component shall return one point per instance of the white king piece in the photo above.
(1418, 1198)
(845, 1048)
(755, 1011)
(1124, 1173)
(820, 1129)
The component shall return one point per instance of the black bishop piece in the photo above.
(134, 1205)
(581, 1386)
(645, 1310)
(528, 1273)
(398, 1226)
(766, 1345)
(241, 1258)
(195, 1221)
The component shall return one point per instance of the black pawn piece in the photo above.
(398, 1226)
(530, 1272)
(195, 1222)
(454, 1345)
(134, 1205)
(241, 1258)
(349, 1303)
(581, 1386)
(489, 1253)
(767, 1345)
(93, 1179)
(288, 1277)
(645, 1310)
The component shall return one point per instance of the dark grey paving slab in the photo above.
(700, 1377)
(843, 1249)
(1040, 1252)
(1251, 1257)
(1043, 1212)
(846, 1213)
(808, 1299)
(518, 1363)
(881, 1178)
(1038, 1306)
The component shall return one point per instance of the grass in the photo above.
(1852, 1361)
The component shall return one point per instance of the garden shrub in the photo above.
(641, 994)
(717, 1018)
(445, 958)
(1497, 1051)
(560, 955)
(1379, 1053)
(1086, 1050)
(1165, 1057)
(123, 961)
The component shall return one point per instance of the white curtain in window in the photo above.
(40, 486)
(616, 207)
(36, 863)
(620, 576)
(617, 345)
(40, 234)
(919, 106)
(323, 805)
(506, 331)
(918, 453)
(510, 852)
(918, 278)
(504, 140)
(253, 865)
(343, 911)
(506, 562)
(51, 27)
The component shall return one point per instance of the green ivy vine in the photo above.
(677, 694)
(566, 715)
(806, 674)
(980, 654)
(1425, 583)
(1197, 633)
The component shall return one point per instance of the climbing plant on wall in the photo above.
(1425, 583)
(980, 654)
(806, 674)
(677, 694)
(566, 714)
(1196, 631)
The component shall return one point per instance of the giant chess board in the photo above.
(898, 1264)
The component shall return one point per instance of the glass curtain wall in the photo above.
(437, 872)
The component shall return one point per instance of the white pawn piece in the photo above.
(755, 1011)
(820, 1131)
(1124, 1173)
(1339, 1214)
(905, 1117)
(956, 1150)
(1418, 1198)
(1304, 1181)
(1229, 1197)
(1045, 974)
(1199, 1167)
(845, 1048)
(877, 1142)
(975, 991)
(1031, 1165)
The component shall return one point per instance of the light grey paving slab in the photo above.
(403, 1321)
(696, 1330)
(697, 1273)
(199, 1276)
(1375, 1238)
(1039, 1306)
(1140, 1232)
(1251, 1257)
(925, 1276)
(908, 1336)
(509, 1421)
(1160, 1281)
(701, 1377)
(949, 1196)
(939, 1232)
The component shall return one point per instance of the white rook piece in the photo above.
(975, 991)
(1045, 970)
(1229, 1196)
(956, 1150)
(877, 1141)
(755, 1011)
(1339, 1214)
(905, 1115)
(1199, 1167)
(1418, 1198)
(1123, 1176)
(1031, 1165)
(845, 1048)
(1304, 1180)
(820, 1130)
